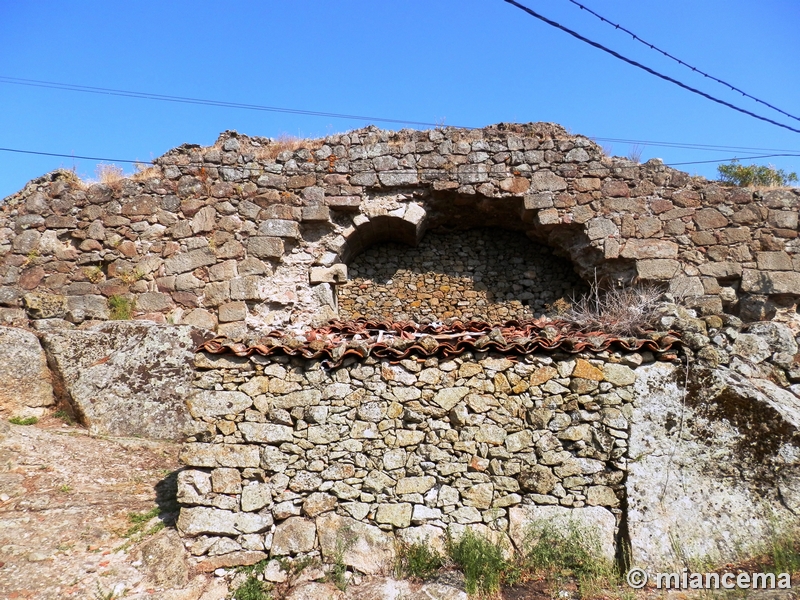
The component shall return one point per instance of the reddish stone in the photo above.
(301, 181)
(90, 245)
(191, 207)
(659, 205)
(30, 278)
(142, 205)
(686, 198)
(710, 218)
(113, 288)
(127, 248)
(170, 248)
(615, 189)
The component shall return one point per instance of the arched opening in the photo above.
(485, 274)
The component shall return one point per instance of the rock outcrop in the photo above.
(127, 378)
(25, 381)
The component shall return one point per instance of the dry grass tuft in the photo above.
(146, 171)
(623, 311)
(283, 143)
(109, 174)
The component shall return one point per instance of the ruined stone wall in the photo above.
(251, 234)
(292, 453)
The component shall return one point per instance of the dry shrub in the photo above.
(622, 311)
(146, 171)
(109, 174)
(283, 143)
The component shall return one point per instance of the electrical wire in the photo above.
(75, 156)
(689, 146)
(645, 68)
(420, 170)
(680, 62)
(162, 97)
(204, 102)
(151, 96)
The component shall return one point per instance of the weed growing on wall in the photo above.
(120, 307)
(418, 561)
(480, 560)
(252, 589)
(553, 549)
(623, 311)
(23, 420)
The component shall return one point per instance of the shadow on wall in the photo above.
(485, 274)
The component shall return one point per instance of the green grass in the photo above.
(480, 560)
(120, 307)
(569, 549)
(64, 416)
(139, 520)
(782, 552)
(252, 589)
(418, 561)
(23, 420)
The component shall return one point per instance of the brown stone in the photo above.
(710, 218)
(615, 189)
(687, 199)
(585, 370)
(774, 261)
(240, 558)
(141, 205)
(649, 249)
(515, 185)
(543, 375)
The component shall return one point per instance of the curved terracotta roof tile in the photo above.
(399, 340)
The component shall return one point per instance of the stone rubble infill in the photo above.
(483, 275)
(300, 461)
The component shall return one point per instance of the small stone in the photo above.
(617, 374)
(398, 515)
(414, 485)
(479, 496)
(293, 536)
(447, 398)
(318, 503)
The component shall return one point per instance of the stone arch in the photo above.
(406, 225)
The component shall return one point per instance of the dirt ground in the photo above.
(65, 500)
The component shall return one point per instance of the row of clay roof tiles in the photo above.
(399, 340)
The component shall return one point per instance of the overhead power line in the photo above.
(680, 62)
(181, 99)
(204, 102)
(645, 68)
(690, 146)
(75, 156)
(424, 170)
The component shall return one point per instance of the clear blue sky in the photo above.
(470, 62)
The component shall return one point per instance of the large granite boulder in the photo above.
(25, 383)
(127, 378)
(714, 471)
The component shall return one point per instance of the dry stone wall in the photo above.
(292, 455)
(255, 234)
(490, 275)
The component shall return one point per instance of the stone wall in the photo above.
(293, 453)
(255, 234)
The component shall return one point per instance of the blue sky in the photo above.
(471, 63)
